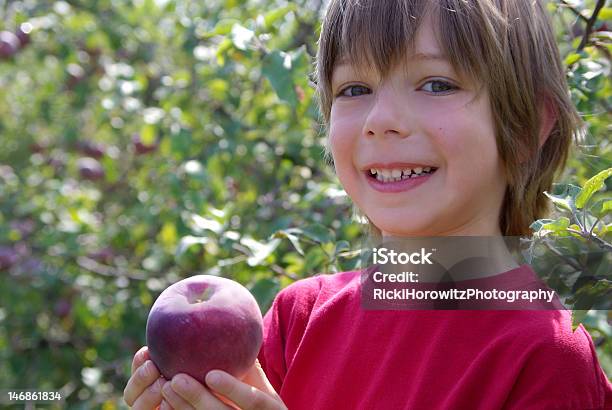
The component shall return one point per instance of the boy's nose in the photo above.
(387, 116)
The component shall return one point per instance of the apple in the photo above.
(90, 169)
(140, 147)
(23, 34)
(203, 323)
(92, 149)
(8, 257)
(9, 44)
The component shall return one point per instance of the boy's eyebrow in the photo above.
(417, 56)
(429, 56)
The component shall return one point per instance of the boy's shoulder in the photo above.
(323, 284)
(302, 296)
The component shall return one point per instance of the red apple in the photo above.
(9, 44)
(203, 323)
(140, 147)
(8, 257)
(92, 148)
(90, 169)
(23, 34)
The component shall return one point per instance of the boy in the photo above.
(445, 118)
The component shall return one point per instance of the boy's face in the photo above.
(421, 115)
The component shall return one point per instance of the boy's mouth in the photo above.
(399, 173)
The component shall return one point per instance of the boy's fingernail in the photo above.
(156, 386)
(166, 390)
(179, 383)
(214, 378)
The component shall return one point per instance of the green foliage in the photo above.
(204, 155)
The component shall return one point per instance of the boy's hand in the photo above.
(253, 392)
(143, 390)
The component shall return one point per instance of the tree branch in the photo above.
(573, 10)
(104, 270)
(590, 24)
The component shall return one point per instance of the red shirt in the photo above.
(321, 350)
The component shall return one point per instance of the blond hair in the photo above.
(508, 45)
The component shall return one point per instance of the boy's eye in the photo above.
(354, 90)
(437, 86)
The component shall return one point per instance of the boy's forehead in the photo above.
(425, 47)
(417, 56)
(344, 64)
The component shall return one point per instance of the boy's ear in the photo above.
(548, 119)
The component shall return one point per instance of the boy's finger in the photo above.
(165, 405)
(244, 395)
(150, 398)
(144, 377)
(173, 400)
(140, 357)
(257, 378)
(195, 394)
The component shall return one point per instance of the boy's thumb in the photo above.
(257, 378)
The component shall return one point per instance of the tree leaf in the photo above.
(200, 224)
(259, 250)
(277, 68)
(187, 241)
(572, 58)
(601, 207)
(561, 202)
(264, 291)
(536, 226)
(242, 37)
(295, 241)
(556, 226)
(605, 14)
(577, 318)
(273, 16)
(591, 186)
(319, 233)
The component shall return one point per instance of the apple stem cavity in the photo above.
(204, 296)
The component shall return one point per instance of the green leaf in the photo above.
(565, 194)
(187, 241)
(273, 16)
(341, 247)
(572, 58)
(259, 250)
(561, 202)
(277, 67)
(319, 233)
(242, 37)
(591, 186)
(604, 231)
(605, 14)
(556, 226)
(295, 241)
(264, 291)
(224, 26)
(577, 318)
(147, 134)
(536, 226)
(602, 207)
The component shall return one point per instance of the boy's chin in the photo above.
(402, 225)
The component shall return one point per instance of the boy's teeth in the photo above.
(397, 174)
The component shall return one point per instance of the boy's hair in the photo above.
(508, 45)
